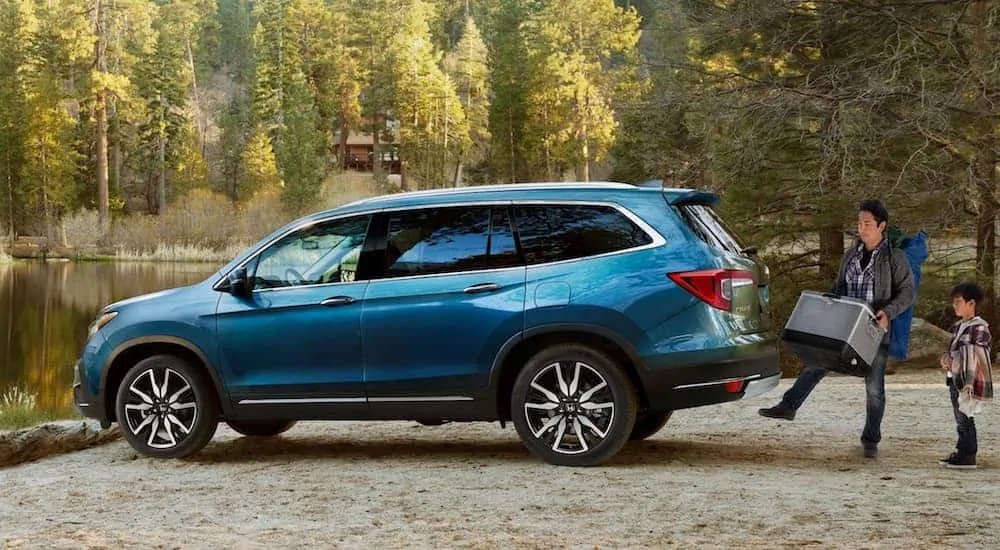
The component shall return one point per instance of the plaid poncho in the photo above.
(970, 363)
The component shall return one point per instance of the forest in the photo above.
(133, 124)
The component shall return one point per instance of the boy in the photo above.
(967, 363)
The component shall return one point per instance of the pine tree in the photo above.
(469, 68)
(261, 174)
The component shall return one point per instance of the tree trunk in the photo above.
(114, 143)
(986, 222)
(344, 130)
(45, 199)
(984, 163)
(161, 184)
(457, 180)
(831, 252)
(10, 202)
(100, 115)
(199, 123)
(513, 156)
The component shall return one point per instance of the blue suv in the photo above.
(583, 313)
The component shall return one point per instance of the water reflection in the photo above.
(45, 309)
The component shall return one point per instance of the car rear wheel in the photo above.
(573, 406)
(166, 407)
(648, 423)
(260, 428)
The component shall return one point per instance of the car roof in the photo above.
(601, 190)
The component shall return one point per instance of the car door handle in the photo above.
(483, 287)
(337, 301)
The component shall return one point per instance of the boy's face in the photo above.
(964, 309)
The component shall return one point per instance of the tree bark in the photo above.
(984, 163)
(831, 251)
(100, 115)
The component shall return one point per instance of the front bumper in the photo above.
(91, 406)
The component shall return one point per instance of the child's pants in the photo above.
(967, 443)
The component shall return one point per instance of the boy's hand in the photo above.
(946, 362)
(882, 319)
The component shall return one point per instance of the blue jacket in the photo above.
(915, 250)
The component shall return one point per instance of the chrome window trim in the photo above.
(657, 239)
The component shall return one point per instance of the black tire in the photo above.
(648, 423)
(260, 428)
(594, 403)
(188, 408)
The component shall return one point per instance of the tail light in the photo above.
(714, 286)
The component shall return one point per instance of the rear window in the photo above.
(557, 233)
(707, 224)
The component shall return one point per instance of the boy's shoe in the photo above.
(962, 463)
(778, 411)
(944, 461)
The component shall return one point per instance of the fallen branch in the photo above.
(52, 439)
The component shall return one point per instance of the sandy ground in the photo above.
(715, 477)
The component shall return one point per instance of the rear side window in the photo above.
(503, 247)
(437, 240)
(556, 233)
(710, 228)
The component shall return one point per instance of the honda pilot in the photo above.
(583, 313)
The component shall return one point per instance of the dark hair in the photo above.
(876, 209)
(969, 291)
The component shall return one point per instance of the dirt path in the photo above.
(715, 477)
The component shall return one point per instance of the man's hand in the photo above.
(882, 319)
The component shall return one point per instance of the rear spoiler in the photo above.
(682, 197)
(694, 198)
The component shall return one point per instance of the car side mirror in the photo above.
(238, 283)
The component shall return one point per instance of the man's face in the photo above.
(869, 230)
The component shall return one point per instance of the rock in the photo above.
(52, 439)
(927, 343)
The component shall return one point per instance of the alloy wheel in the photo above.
(570, 407)
(161, 408)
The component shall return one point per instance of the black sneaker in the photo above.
(944, 461)
(778, 411)
(962, 463)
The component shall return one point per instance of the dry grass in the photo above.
(203, 226)
(18, 409)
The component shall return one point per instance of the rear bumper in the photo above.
(91, 406)
(683, 387)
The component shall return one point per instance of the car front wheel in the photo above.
(166, 407)
(573, 406)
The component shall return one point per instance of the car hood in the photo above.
(145, 298)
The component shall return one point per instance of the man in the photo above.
(875, 272)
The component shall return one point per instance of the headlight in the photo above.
(101, 321)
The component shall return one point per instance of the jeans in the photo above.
(875, 395)
(967, 441)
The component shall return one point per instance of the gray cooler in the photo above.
(834, 332)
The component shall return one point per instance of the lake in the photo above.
(46, 307)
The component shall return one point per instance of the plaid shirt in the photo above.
(970, 357)
(861, 281)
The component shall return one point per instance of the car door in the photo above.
(450, 295)
(296, 339)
